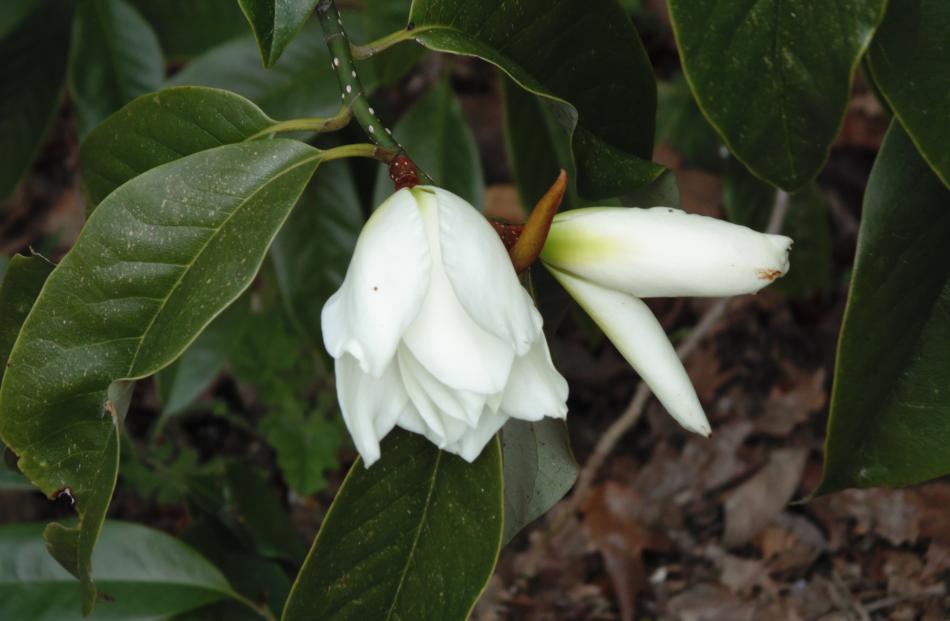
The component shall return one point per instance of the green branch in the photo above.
(351, 89)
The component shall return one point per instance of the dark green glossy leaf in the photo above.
(910, 61)
(311, 253)
(162, 127)
(259, 509)
(748, 201)
(31, 80)
(538, 148)
(259, 579)
(415, 536)
(437, 134)
(890, 408)
(275, 23)
(14, 11)
(583, 56)
(539, 470)
(774, 76)
(155, 263)
(21, 283)
(186, 28)
(145, 573)
(300, 84)
(183, 381)
(115, 57)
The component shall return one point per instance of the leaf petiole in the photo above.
(314, 124)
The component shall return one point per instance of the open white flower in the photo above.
(608, 258)
(432, 331)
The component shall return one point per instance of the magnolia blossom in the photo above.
(432, 331)
(609, 258)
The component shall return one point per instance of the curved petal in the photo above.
(480, 271)
(469, 446)
(445, 339)
(535, 388)
(384, 287)
(424, 388)
(664, 252)
(370, 405)
(640, 338)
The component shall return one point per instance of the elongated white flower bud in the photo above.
(664, 252)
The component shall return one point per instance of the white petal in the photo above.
(445, 340)
(470, 445)
(370, 405)
(428, 393)
(640, 338)
(535, 388)
(480, 270)
(664, 252)
(384, 287)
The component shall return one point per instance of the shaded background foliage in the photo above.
(237, 447)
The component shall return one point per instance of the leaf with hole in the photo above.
(156, 262)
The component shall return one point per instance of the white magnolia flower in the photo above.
(608, 258)
(432, 331)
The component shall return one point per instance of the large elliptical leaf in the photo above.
(539, 469)
(890, 408)
(162, 127)
(584, 56)
(32, 72)
(910, 61)
(20, 284)
(155, 263)
(437, 134)
(774, 76)
(275, 23)
(146, 573)
(300, 84)
(416, 536)
(115, 57)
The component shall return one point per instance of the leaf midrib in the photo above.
(188, 266)
(417, 536)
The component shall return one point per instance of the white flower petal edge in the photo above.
(371, 406)
(476, 262)
(384, 287)
(433, 332)
(640, 338)
(662, 252)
